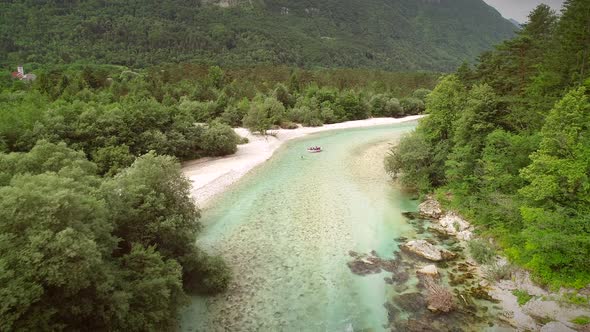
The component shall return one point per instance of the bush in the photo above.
(496, 272)
(412, 106)
(314, 122)
(204, 274)
(219, 140)
(111, 159)
(581, 320)
(394, 108)
(481, 251)
(421, 94)
(233, 116)
(289, 125)
(522, 297)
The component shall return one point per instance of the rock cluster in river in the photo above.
(426, 250)
(449, 223)
(430, 208)
(370, 264)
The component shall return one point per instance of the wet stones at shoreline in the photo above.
(430, 208)
(425, 249)
(371, 264)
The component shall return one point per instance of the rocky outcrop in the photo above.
(429, 270)
(430, 208)
(426, 250)
(556, 327)
(452, 224)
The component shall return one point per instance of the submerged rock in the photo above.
(426, 250)
(410, 302)
(412, 215)
(430, 208)
(364, 264)
(363, 267)
(429, 270)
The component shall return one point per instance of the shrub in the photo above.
(412, 106)
(581, 320)
(522, 297)
(288, 125)
(219, 140)
(576, 299)
(421, 94)
(111, 159)
(439, 299)
(203, 273)
(233, 116)
(497, 271)
(394, 108)
(481, 251)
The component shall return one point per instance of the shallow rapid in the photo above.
(286, 230)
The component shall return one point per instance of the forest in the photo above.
(98, 229)
(506, 143)
(401, 35)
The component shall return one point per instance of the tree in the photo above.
(411, 160)
(153, 288)
(476, 121)
(54, 236)
(219, 140)
(558, 194)
(263, 114)
(151, 205)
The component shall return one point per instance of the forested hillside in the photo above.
(385, 34)
(507, 143)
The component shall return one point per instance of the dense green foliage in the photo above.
(97, 229)
(115, 115)
(392, 35)
(481, 251)
(507, 144)
(81, 252)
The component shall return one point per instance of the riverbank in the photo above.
(212, 176)
(287, 239)
(525, 306)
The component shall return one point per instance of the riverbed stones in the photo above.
(430, 208)
(370, 264)
(411, 302)
(429, 270)
(363, 267)
(428, 251)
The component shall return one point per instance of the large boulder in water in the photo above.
(426, 250)
(429, 270)
(430, 208)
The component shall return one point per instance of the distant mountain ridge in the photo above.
(434, 35)
(515, 22)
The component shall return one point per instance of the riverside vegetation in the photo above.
(97, 227)
(506, 143)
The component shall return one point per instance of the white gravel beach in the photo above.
(211, 176)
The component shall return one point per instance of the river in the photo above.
(286, 230)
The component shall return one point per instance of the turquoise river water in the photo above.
(286, 230)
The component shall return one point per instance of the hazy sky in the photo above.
(520, 9)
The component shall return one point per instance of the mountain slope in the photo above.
(388, 34)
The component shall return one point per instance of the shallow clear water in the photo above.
(286, 230)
